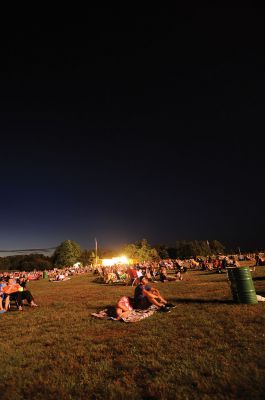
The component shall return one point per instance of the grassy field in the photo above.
(206, 348)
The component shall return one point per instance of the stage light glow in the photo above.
(108, 262)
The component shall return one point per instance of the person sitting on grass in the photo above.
(164, 276)
(13, 291)
(145, 296)
(2, 295)
(10, 288)
(25, 294)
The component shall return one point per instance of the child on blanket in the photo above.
(124, 307)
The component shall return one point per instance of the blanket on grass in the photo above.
(134, 316)
(61, 280)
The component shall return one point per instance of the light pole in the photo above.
(96, 248)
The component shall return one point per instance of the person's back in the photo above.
(132, 273)
(145, 296)
(138, 292)
(224, 263)
(140, 299)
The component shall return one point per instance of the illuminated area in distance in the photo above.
(108, 262)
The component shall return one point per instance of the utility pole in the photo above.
(96, 248)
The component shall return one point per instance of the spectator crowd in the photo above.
(13, 285)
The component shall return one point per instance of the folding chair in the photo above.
(12, 300)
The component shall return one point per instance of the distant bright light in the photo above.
(108, 262)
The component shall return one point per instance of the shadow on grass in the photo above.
(203, 301)
(213, 272)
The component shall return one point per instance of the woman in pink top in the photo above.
(124, 307)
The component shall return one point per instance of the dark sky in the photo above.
(121, 123)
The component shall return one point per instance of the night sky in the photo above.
(124, 124)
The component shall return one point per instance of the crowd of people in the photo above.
(221, 263)
(14, 289)
(166, 270)
(62, 274)
(154, 271)
(171, 270)
(13, 286)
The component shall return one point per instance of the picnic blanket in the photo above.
(61, 280)
(134, 316)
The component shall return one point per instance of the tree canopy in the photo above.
(67, 253)
(193, 248)
(141, 251)
(27, 262)
(87, 257)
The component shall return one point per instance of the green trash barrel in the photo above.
(45, 275)
(242, 282)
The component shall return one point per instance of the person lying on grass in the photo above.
(145, 296)
(124, 307)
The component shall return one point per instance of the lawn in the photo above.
(206, 348)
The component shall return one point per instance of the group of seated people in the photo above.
(62, 274)
(12, 289)
(144, 296)
(260, 259)
(153, 270)
(209, 263)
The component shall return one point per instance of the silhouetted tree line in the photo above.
(27, 262)
(66, 254)
(69, 252)
(191, 248)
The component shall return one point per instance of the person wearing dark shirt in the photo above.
(145, 296)
(25, 294)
